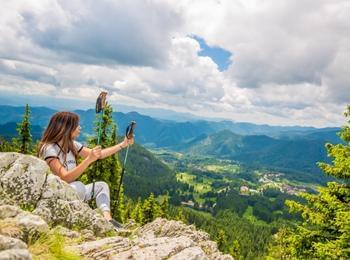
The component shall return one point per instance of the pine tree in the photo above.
(114, 178)
(24, 140)
(119, 212)
(235, 249)
(157, 210)
(107, 169)
(5, 146)
(221, 239)
(180, 215)
(148, 209)
(128, 209)
(325, 232)
(137, 213)
(164, 206)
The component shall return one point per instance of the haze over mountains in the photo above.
(161, 132)
(295, 148)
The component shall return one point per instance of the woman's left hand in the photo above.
(126, 142)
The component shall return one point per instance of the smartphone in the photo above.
(129, 133)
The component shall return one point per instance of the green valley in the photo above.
(232, 186)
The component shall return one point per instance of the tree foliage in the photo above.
(108, 169)
(325, 230)
(24, 140)
(148, 210)
(5, 146)
(221, 239)
(235, 235)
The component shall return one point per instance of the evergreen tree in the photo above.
(151, 209)
(137, 213)
(157, 210)
(119, 211)
(325, 232)
(5, 146)
(129, 205)
(147, 211)
(24, 141)
(164, 206)
(107, 169)
(235, 249)
(180, 215)
(221, 239)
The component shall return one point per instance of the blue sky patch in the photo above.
(219, 55)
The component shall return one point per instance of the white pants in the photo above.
(101, 193)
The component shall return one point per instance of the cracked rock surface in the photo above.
(49, 204)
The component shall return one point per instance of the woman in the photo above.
(60, 151)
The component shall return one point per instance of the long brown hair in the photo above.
(60, 129)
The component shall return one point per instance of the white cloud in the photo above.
(301, 50)
(281, 42)
(290, 61)
(104, 32)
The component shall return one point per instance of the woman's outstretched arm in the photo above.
(109, 150)
(116, 148)
(71, 175)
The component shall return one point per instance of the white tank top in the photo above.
(55, 151)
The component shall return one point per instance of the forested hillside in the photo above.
(233, 186)
(146, 174)
(296, 156)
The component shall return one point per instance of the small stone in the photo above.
(11, 243)
(66, 232)
(7, 211)
(191, 253)
(31, 222)
(15, 254)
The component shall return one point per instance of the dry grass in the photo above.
(52, 246)
(8, 227)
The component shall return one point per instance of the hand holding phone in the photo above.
(129, 133)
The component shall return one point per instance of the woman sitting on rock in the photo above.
(60, 151)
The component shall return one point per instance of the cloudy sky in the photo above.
(282, 62)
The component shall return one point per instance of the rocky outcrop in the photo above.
(20, 224)
(26, 183)
(26, 180)
(16, 228)
(160, 239)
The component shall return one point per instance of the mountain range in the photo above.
(154, 132)
(288, 148)
(288, 155)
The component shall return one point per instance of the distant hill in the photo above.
(145, 174)
(295, 155)
(330, 136)
(161, 133)
(39, 115)
(295, 148)
(8, 131)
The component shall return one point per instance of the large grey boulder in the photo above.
(60, 205)
(27, 181)
(22, 177)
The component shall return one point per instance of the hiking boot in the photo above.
(119, 228)
(116, 224)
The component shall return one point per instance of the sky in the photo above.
(282, 62)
